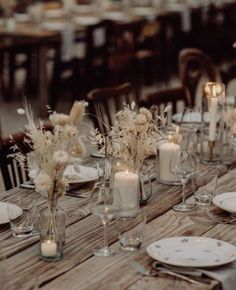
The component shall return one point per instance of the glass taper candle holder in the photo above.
(213, 118)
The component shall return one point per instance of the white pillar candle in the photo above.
(213, 121)
(127, 186)
(49, 248)
(167, 151)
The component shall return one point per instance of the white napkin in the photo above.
(185, 15)
(225, 274)
(80, 173)
(68, 38)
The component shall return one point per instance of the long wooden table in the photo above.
(79, 269)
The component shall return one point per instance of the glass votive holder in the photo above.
(131, 229)
(21, 217)
(204, 195)
(52, 234)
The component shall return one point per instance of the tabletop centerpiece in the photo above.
(129, 142)
(51, 150)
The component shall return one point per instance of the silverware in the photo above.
(139, 268)
(77, 194)
(221, 220)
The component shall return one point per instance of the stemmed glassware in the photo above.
(183, 165)
(106, 207)
(192, 119)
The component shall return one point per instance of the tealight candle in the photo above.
(126, 183)
(49, 248)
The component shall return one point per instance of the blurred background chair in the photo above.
(87, 68)
(105, 102)
(195, 67)
(12, 172)
(175, 97)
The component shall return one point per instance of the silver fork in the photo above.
(139, 268)
(220, 220)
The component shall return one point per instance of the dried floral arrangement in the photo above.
(52, 150)
(134, 135)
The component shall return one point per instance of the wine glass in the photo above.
(192, 120)
(182, 165)
(105, 205)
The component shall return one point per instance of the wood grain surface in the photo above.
(79, 269)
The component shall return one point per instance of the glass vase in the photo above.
(52, 232)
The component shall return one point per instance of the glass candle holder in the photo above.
(174, 138)
(52, 233)
(213, 116)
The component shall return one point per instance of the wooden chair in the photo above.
(13, 174)
(88, 69)
(167, 96)
(194, 64)
(105, 102)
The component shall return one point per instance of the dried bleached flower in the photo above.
(77, 111)
(43, 182)
(52, 150)
(133, 135)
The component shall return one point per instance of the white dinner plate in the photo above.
(80, 174)
(83, 8)
(226, 201)
(194, 117)
(54, 13)
(15, 211)
(86, 20)
(116, 16)
(192, 252)
(142, 11)
(54, 25)
(22, 17)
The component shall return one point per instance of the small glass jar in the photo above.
(52, 233)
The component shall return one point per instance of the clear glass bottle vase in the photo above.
(52, 232)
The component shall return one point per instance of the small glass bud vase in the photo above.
(52, 233)
(213, 116)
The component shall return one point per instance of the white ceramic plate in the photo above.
(54, 25)
(116, 16)
(83, 8)
(54, 13)
(86, 20)
(226, 201)
(195, 117)
(15, 211)
(22, 17)
(80, 175)
(192, 252)
(142, 11)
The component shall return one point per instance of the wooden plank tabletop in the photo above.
(79, 269)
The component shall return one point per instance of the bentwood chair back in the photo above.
(13, 173)
(168, 96)
(105, 102)
(194, 64)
